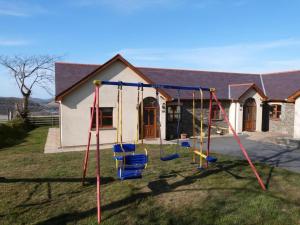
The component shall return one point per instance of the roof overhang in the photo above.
(294, 96)
(250, 86)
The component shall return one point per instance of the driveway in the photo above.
(262, 147)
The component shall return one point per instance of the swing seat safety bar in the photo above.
(207, 158)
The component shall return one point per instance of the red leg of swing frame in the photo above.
(239, 142)
(86, 158)
(209, 127)
(95, 105)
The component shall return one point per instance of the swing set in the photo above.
(130, 165)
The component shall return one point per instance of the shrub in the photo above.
(13, 132)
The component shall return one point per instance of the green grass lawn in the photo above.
(46, 189)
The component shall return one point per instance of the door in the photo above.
(149, 122)
(249, 115)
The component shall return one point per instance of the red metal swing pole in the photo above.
(98, 154)
(209, 127)
(86, 158)
(239, 142)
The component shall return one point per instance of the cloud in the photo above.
(289, 64)
(129, 5)
(19, 8)
(243, 57)
(13, 42)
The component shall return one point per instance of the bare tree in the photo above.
(28, 72)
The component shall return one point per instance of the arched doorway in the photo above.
(149, 122)
(249, 115)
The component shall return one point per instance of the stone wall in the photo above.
(186, 125)
(285, 124)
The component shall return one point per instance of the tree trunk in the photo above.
(25, 111)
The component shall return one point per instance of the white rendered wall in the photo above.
(297, 119)
(236, 117)
(75, 107)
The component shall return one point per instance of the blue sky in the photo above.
(218, 35)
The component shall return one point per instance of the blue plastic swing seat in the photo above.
(124, 174)
(134, 165)
(169, 157)
(137, 159)
(118, 148)
(185, 144)
(211, 159)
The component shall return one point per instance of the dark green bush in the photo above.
(13, 132)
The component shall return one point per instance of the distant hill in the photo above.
(42, 101)
(36, 105)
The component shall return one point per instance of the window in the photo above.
(215, 113)
(275, 111)
(105, 117)
(173, 113)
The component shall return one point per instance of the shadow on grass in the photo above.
(157, 187)
(65, 218)
(10, 141)
(88, 181)
(269, 177)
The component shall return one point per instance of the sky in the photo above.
(254, 36)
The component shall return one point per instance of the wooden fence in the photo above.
(3, 118)
(52, 120)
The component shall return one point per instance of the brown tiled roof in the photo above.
(236, 91)
(67, 74)
(278, 86)
(218, 80)
(77, 79)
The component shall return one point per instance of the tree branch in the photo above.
(30, 71)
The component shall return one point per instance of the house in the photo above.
(254, 102)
